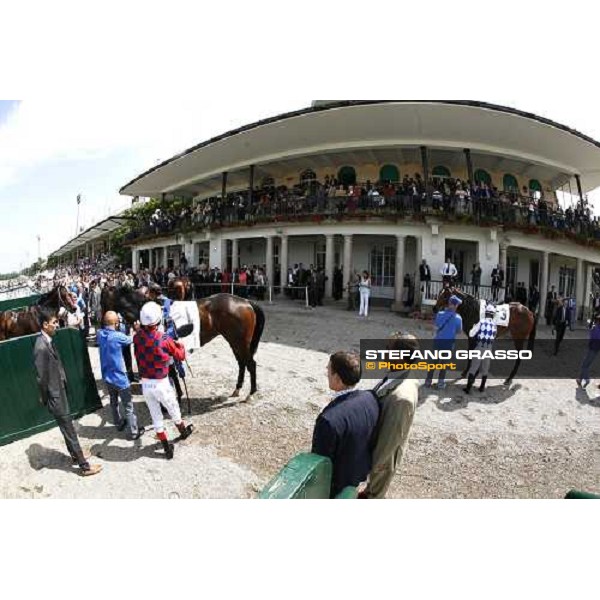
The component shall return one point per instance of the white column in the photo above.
(399, 279)
(234, 255)
(283, 260)
(135, 261)
(329, 265)
(269, 260)
(151, 258)
(579, 289)
(347, 261)
(418, 259)
(544, 282)
(588, 290)
(165, 256)
(93, 252)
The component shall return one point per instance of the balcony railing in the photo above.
(483, 212)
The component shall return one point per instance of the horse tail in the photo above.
(258, 329)
(531, 339)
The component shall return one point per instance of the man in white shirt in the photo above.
(448, 271)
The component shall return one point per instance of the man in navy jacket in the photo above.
(344, 430)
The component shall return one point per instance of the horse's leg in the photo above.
(241, 374)
(472, 344)
(519, 346)
(252, 370)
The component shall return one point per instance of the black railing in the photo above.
(521, 214)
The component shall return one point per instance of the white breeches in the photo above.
(157, 392)
(364, 303)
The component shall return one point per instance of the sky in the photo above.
(108, 92)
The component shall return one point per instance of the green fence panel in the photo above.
(580, 495)
(16, 303)
(21, 413)
(305, 476)
(348, 493)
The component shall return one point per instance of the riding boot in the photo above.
(168, 448)
(470, 383)
(482, 386)
(185, 430)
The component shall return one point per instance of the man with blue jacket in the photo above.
(111, 343)
(448, 325)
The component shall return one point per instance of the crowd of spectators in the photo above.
(443, 197)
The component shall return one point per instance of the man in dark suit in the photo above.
(425, 278)
(560, 323)
(52, 381)
(551, 297)
(344, 431)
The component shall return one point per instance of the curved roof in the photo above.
(93, 233)
(369, 124)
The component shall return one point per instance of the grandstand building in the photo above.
(379, 186)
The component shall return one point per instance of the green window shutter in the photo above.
(482, 176)
(535, 185)
(441, 171)
(347, 176)
(510, 183)
(389, 173)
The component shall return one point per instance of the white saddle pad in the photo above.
(502, 316)
(184, 313)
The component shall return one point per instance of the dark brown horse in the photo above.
(239, 321)
(15, 323)
(521, 324)
(180, 288)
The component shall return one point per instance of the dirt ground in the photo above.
(536, 440)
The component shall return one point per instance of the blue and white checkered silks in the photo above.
(487, 333)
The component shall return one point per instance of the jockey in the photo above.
(153, 352)
(176, 368)
(485, 333)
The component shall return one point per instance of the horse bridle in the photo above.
(62, 303)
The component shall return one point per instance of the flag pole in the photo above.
(77, 225)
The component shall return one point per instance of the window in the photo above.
(510, 183)
(347, 176)
(535, 188)
(566, 282)
(307, 175)
(482, 176)
(534, 272)
(203, 254)
(389, 173)
(382, 266)
(319, 255)
(440, 171)
(535, 185)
